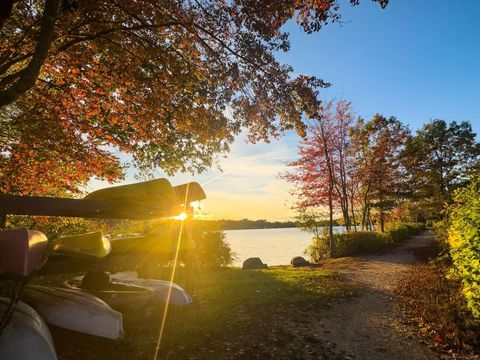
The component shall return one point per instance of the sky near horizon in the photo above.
(416, 60)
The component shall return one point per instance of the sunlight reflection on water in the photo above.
(272, 246)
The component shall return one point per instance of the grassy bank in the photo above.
(235, 314)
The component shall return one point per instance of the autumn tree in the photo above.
(321, 174)
(169, 83)
(346, 184)
(440, 158)
(378, 144)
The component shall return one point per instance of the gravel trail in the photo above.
(369, 326)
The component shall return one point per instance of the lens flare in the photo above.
(182, 216)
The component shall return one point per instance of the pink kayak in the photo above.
(22, 252)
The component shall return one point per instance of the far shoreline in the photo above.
(246, 224)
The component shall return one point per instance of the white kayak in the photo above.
(26, 337)
(74, 310)
(161, 288)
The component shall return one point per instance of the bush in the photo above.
(348, 244)
(319, 249)
(464, 240)
(402, 231)
(213, 251)
(440, 235)
(201, 245)
(361, 242)
(399, 233)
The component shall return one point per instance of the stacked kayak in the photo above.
(147, 200)
(126, 292)
(77, 253)
(22, 252)
(153, 194)
(120, 296)
(74, 310)
(86, 304)
(26, 337)
(84, 246)
(158, 192)
(178, 296)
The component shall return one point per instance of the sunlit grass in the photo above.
(230, 304)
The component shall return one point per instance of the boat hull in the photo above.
(178, 295)
(22, 252)
(26, 337)
(84, 246)
(74, 310)
(121, 297)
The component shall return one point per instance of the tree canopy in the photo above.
(441, 157)
(376, 171)
(168, 82)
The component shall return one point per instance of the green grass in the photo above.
(232, 309)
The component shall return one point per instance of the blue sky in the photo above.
(417, 60)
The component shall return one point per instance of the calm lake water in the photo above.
(273, 246)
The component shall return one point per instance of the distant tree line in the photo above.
(247, 224)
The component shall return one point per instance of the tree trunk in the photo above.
(369, 220)
(330, 224)
(365, 207)
(382, 221)
(331, 187)
(354, 221)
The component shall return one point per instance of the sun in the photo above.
(182, 216)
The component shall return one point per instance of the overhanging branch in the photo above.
(30, 74)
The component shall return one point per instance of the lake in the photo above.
(273, 246)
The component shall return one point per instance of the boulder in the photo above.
(253, 263)
(299, 261)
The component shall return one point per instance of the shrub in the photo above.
(212, 250)
(348, 244)
(319, 248)
(402, 231)
(464, 240)
(440, 235)
(399, 233)
(201, 245)
(361, 242)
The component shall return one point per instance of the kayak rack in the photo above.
(50, 206)
(100, 209)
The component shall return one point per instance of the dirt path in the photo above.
(369, 326)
